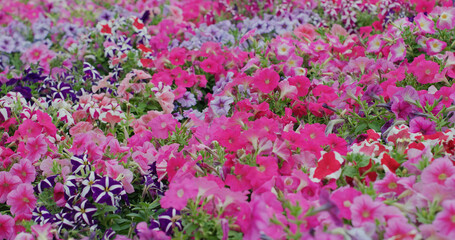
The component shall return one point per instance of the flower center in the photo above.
(442, 176)
(267, 81)
(180, 193)
(365, 214)
(25, 200)
(392, 185)
(347, 203)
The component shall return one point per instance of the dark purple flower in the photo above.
(64, 221)
(62, 90)
(49, 182)
(70, 187)
(81, 164)
(90, 72)
(25, 91)
(41, 215)
(170, 219)
(88, 183)
(84, 212)
(105, 190)
(109, 234)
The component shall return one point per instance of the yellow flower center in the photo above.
(392, 185)
(442, 176)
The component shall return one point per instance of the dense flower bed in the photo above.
(200, 119)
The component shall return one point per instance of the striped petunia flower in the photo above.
(170, 219)
(81, 164)
(105, 190)
(84, 212)
(41, 215)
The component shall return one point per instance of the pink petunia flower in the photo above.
(343, 197)
(365, 210)
(24, 170)
(36, 147)
(8, 182)
(438, 172)
(22, 199)
(445, 220)
(266, 80)
(178, 195)
(435, 46)
(6, 226)
(424, 23)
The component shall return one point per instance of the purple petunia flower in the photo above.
(88, 183)
(105, 190)
(64, 221)
(423, 125)
(49, 182)
(221, 105)
(70, 187)
(170, 219)
(90, 72)
(41, 215)
(81, 164)
(6, 44)
(61, 90)
(84, 212)
(109, 234)
(188, 99)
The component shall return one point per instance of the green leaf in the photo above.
(350, 171)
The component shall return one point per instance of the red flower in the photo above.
(328, 166)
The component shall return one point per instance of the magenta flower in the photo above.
(6, 226)
(423, 125)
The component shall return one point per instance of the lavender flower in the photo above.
(284, 26)
(221, 105)
(40, 30)
(106, 15)
(6, 44)
(105, 190)
(188, 99)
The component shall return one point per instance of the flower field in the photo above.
(200, 119)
